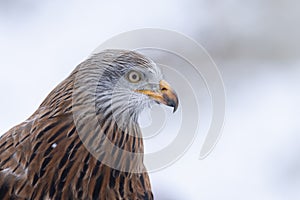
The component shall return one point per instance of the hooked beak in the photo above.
(165, 95)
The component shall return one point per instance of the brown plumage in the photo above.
(51, 155)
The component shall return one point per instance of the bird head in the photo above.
(131, 82)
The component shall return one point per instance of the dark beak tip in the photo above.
(174, 105)
(174, 110)
(172, 102)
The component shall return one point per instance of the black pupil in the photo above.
(134, 76)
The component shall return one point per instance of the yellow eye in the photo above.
(134, 76)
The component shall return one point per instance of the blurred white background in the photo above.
(254, 43)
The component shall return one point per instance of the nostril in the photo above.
(163, 89)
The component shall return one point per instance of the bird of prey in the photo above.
(84, 141)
